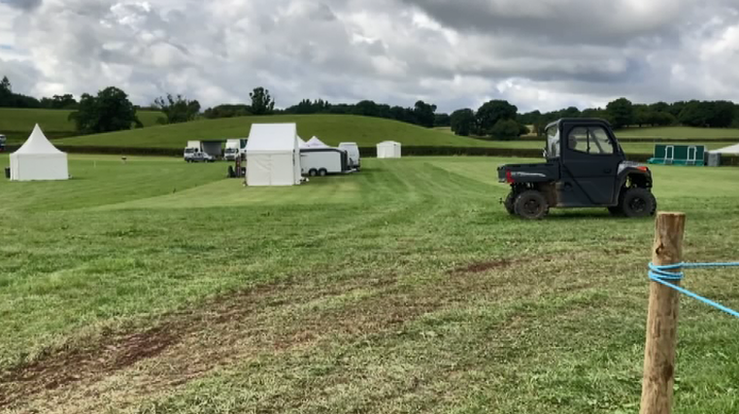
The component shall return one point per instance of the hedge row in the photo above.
(367, 152)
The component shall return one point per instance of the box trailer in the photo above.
(324, 161)
(352, 150)
(213, 148)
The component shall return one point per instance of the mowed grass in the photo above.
(331, 129)
(161, 287)
(17, 124)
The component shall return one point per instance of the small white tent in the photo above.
(302, 143)
(273, 155)
(38, 160)
(315, 143)
(388, 149)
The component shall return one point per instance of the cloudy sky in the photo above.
(538, 54)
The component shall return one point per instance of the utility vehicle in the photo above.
(585, 167)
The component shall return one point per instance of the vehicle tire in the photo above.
(322, 172)
(638, 202)
(531, 205)
(509, 203)
(313, 172)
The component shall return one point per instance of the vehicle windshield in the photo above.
(231, 150)
(189, 150)
(553, 142)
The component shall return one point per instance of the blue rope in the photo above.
(665, 275)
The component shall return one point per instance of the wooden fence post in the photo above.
(659, 354)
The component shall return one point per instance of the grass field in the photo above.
(160, 287)
(17, 124)
(331, 129)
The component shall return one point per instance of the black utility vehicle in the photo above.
(585, 167)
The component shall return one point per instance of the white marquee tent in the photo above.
(38, 160)
(315, 143)
(273, 155)
(388, 149)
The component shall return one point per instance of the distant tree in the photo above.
(463, 122)
(529, 118)
(66, 101)
(6, 92)
(523, 129)
(109, 111)
(721, 113)
(442, 120)
(227, 111)
(622, 112)
(177, 109)
(659, 107)
(571, 112)
(424, 114)
(694, 113)
(261, 102)
(506, 129)
(491, 112)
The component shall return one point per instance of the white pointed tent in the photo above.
(273, 155)
(38, 160)
(315, 143)
(302, 143)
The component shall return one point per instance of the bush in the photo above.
(506, 130)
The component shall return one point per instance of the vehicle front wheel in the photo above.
(638, 202)
(509, 201)
(531, 205)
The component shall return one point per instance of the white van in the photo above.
(352, 150)
(323, 161)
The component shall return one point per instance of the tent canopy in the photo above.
(734, 149)
(302, 143)
(37, 143)
(272, 138)
(315, 143)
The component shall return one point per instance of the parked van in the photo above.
(352, 150)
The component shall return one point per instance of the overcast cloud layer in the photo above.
(538, 54)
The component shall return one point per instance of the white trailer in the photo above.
(324, 161)
(352, 150)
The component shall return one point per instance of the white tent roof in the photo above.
(316, 143)
(302, 143)
(734, 149)
(272, 138)
(37, 143)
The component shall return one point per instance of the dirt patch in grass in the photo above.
(480, 267)
(125, 368)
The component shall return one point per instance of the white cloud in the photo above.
(542, 54)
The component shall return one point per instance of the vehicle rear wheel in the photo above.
(531, 205)
(638, 202)
(313, 172)
(509, 201)
(322, 172)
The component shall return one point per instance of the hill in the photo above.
(678, 133)
(332, 129)
(17, 124)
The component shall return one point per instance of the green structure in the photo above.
(668, 154)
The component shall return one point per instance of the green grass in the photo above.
(157, 286)
(17, 124)
(678, 133)
(331, 129)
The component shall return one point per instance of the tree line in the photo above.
(111, 110)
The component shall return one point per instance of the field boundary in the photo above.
(367, 152)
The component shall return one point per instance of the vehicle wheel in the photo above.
(531, 205)
(322, 172)
(509, 201)
(638, 202)
(616, 211)
(312, 172)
